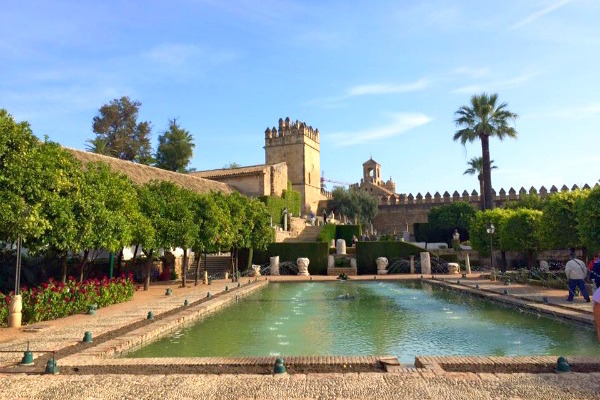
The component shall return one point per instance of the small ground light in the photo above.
(52, 366)
(168, 292)
(27, 357)
(458, 282)
(505, 291)
(227, 288)
(186, 302)
(239, 284)
(207, 295)
(87, 337)
(545, 300)
(477, 286)
(92, 309)
(150, 316)
(279, 367)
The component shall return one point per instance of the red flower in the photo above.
(44, 285)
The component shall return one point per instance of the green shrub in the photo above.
(289, 199)
(316, 252)
(327, 233)
(346, 232)
(367, 252)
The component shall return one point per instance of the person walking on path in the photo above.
(576, 272)
(594, 267)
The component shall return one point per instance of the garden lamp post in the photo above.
(490, 230)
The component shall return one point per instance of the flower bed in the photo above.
(56, 300)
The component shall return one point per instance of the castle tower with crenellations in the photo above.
(297, 144)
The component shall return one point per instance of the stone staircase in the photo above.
(308, 234)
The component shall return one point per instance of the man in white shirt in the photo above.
(576, 272)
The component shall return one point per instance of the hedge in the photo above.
(316, 252)
(367, 252)
(346, 232)
(289, 199)
(327, 233)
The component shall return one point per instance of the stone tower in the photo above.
(297, 144)
(372, 172)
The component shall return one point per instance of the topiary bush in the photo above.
(346, 232)
(327, 233)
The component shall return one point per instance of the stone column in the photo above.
(330, 261)
(274, 265)
(285, 222)
(382, 264)
(467, 263)
(340, 247)
(412, 264)
(14, 311)
(425, 263)
(303, 266)
(355, 266)
(332, 243)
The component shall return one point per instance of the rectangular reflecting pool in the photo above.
(403, 319)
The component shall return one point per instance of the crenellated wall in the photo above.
(400, 211)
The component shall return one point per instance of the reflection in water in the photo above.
(371, 318)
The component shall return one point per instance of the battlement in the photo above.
(290, 132)
(499, 198)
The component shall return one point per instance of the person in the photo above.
(354, 240)
(312, 218)
(324, 217)
(596, 299)
(576, 272)
(595, 272)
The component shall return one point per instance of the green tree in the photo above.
(476, 167)
(443, 220)
(232, 165)
(530, 201)
(241, 226)
(481, 120)
(480, 238)
(588, 215)
(175, 148)
(262, 234)
(559, 223)
(520, 232)
(353, 204)
(119, 134)
(98, 145)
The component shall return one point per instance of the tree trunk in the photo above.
(487, 175)
(119, 261)
(197, 277)
(184, 268)
(86, 253)
(63, 268)
(503, 253)
(250, 256)
(148, 267)
(481, 194)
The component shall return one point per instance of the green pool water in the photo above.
(403, 319)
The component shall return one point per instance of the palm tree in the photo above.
(481, 120)
(98, 145)
(476, 166)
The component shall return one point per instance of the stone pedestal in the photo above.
(453, 268)
(332, 243)
(14, 311)
(382, 264)
(425, 263)
(330, 261)
(340, 247)
(274, 265)
(303, 266)
(412, 264)
(353, 264)
(467, 263)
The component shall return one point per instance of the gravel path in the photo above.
(311, 386)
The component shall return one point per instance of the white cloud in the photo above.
(495, 85)
(577, 112)
(402, 122)
(540, 13)
(372, 89)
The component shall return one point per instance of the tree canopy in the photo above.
(443, 220)
(353, 204)
(119, 134)
(175, 148)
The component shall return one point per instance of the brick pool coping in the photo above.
(100, 358)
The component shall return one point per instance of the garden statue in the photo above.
(382, 264)
(255, 271)
(274, 265)
(303, 266)
(340, 247)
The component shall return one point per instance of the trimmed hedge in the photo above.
(316, 252)
(289, 199)
(367, 252)
(346, 232)
(451, 258)
(327, 233)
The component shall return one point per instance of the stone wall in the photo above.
(278, 179)
(250, 185)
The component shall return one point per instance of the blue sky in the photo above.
(380, 79)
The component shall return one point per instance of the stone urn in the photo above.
(274, 265)
(453, 268)
(382, 264)
(255, 270)
(303, 266)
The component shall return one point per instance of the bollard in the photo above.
(186, 303)
(227, 288)
(150, 316)
(458, 282)
(239, 284)
(477, 286)
(562, 365)
(87, 337)
(545, 300)
(27, 357)
(52, 366)
(207, 295)
(168, 292)
(505, 292)
(279, 367)
(92, 309)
